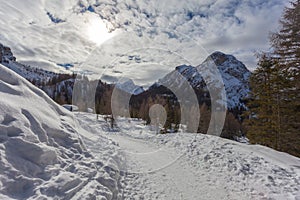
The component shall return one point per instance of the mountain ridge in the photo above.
(234, 73)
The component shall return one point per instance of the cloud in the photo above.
(246, 30)
(235, 27)
(232, 26)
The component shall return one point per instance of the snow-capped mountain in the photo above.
(129, 86)
(54, 84)
(5, 54)
(234, 73)
(36, 75)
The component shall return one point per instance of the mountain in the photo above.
(129, 86)
(234, 73)
(32, 74)
(58, 86)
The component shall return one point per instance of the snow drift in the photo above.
(41, 153)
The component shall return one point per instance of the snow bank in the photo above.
(41, 153)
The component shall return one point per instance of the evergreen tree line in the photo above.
(59, 87)
(273, 118)
(139, 107)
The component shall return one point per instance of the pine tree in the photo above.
(275, 103)
(263, 118)
(286, 42)
(286, 45)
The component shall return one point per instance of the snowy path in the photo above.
(162, 169)
(187, 166)
(167, 173)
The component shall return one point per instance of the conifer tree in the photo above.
(275, 99)
(262, 127)
(286, 42)
(286, 45)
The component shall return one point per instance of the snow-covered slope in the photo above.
(234, 73)
(197, 167)
(41, 153)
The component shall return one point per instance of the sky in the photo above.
(144, 36)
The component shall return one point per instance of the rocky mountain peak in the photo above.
(234, 73)
(219, 58)
(5, 54)
(228, 64)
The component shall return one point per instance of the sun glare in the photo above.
(98, 32)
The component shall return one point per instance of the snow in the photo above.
(42, 154)
(47, 152)
(196, 166)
